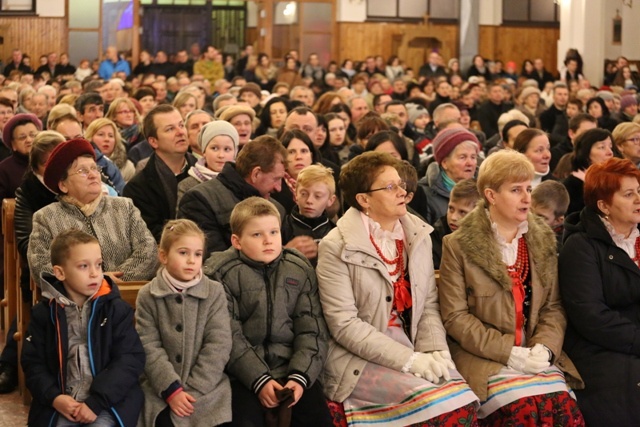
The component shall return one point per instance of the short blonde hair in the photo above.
(623, 131)
(504, 166)
(316, 173)
(60, 113)
(177, 228)
(248, 209)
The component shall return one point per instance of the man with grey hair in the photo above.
(194, 121)
(16, 64)
(303, 94)
(51, 93)
(223, 101)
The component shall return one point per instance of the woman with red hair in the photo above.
(600, 287)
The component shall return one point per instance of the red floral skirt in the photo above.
(461, 417)
(548, 410)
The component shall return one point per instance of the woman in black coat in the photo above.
(599, 277)
(591, 147)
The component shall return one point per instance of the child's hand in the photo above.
(297, 391)
(304, 244)
(83, 414)
(181, 404)
(66, 405)
(267, 395)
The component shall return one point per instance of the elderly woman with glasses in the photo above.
(388, 359)
(500, 303)
(599, 276)
(129, 250)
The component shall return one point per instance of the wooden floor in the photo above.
(12, 412)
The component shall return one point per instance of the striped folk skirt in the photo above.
(387, 397)
(520, 399)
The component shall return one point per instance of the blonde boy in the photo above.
(315, 193)
(279, 333)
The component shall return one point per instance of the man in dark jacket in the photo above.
(540, 74)
(258, 171)
(16, 64)
(554, 119)
(433, 68)
(490, 110)
(155, 189)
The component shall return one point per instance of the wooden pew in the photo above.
(24, 316)
(10, 301)
(129, 291)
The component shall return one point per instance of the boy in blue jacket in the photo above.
(82, 356)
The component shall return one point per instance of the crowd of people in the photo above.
(326, 244)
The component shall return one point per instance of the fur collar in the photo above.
(480, 247)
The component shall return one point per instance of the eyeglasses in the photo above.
(391, 188)
(125, 112)
(635, 140)
(25, 136)
(86, 171)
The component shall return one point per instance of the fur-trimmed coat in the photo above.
(477, 304)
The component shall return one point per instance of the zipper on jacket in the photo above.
(267, 338)
(89, 344)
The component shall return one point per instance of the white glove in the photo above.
(430, 367)
(444, 357)
(541, 353)
(521, 360)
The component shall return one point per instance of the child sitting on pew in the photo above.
(183, 323)
(280, 338)
(82, 356)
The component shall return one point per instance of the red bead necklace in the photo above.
(636, 258)
(401, 293)
(520, 269)
(518, 272)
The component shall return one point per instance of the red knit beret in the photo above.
(448, 139)
(7, 132)
(62, 157)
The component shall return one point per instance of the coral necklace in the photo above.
(636, 258)
(401, 287)
(518, 272)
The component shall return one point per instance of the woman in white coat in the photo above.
(388, 358)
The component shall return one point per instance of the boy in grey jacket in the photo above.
(279, 332)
